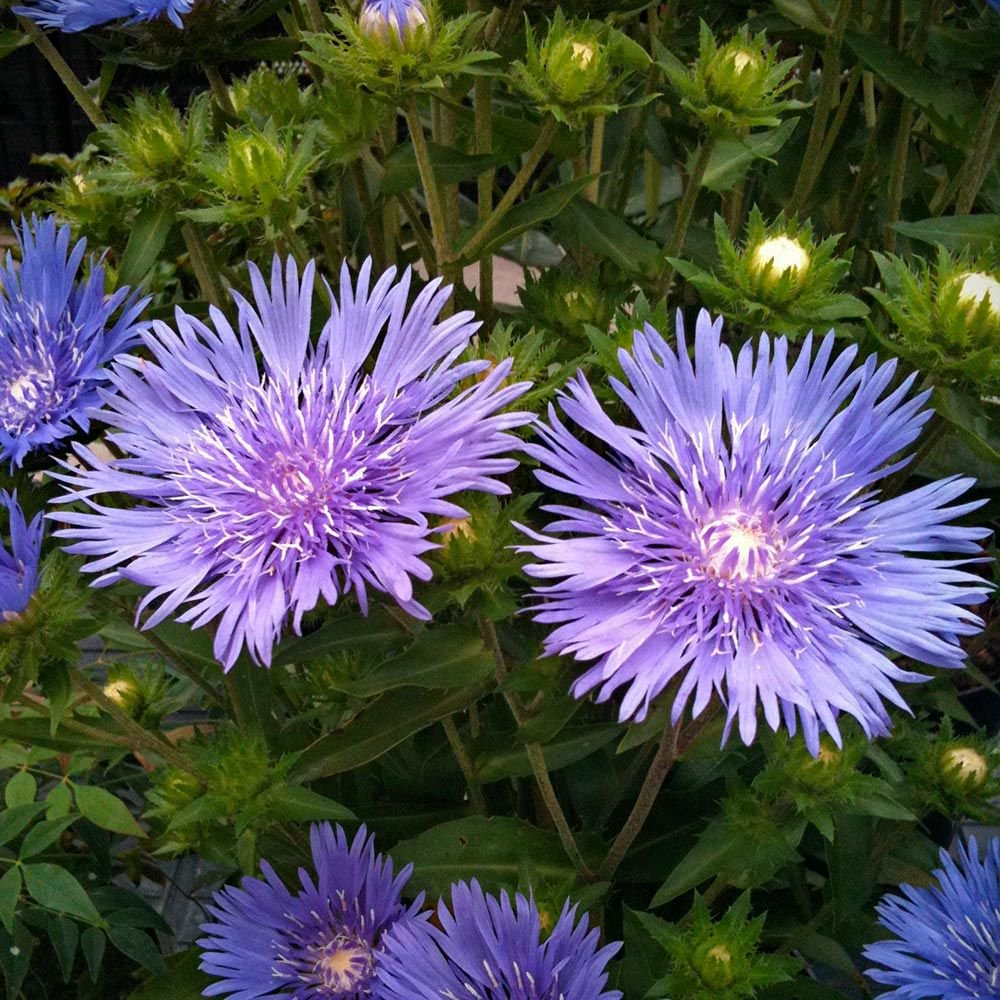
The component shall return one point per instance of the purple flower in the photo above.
(56, 335)
(378, 17)
(19, 564)
(735, 538)
(80, 15)
(488, 949)
(259, 493)
(947, 941)
(324, 941)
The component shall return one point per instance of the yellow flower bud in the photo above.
(716, 967)
(782, 253)
(966, 765)
(583, 54)
(975, 287)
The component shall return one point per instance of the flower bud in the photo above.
(778, 256)
(392, 20)
(125, 693)
(715, 966)
(576, 67)
(976, 287)
(965, 766)
(731, 71)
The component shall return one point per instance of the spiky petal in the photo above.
(488, 948)
(947, 942)
(56, 335)
(81, 15)
(19, 563)
(261, 489)
(735, 539)
(322, 942)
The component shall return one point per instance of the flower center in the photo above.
(738, 547)
(26, 398)
(343, 965)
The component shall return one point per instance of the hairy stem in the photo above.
(203, 265)
(465, 763)
(982, 154)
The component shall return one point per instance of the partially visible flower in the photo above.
(56, 335)
(735, 538)
(780, 256)
(19, 564)
(947, 942)
(385, 18)
(974, 288)
(490, 949)
(79, 15)
(323, 942)
(262, 489)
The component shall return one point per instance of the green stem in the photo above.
(517, 185)
(72, 82)
(897, 173)
(220, 92)
(315, 15)
(829, 92)
(372, 223)
(981, 156)
(596, 158)
(140, 737)
(685, 211)
(432, 194)
(203, 265)
(465, 763)
(236, 701)
(483, 90)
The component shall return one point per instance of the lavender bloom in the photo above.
(320, 943)
(19, 566)
(56, 334)
(488, 949)
(948, 936)
(378, 17)
(736, 536)
(80, 15)
(262, 492)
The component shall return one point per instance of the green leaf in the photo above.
(13, 821)
(302, 805)
(92, 944)
(448, 657)
(39, 837)
(107, 811)
(710, 854)
(10, 890)
(59, 801)
(139, 946)
(451, 166)
(974, 233)
(388, 722)
(146, 241)
(21, 789)
(586, 225)
(951, 109)
(54, 678)
(377, 631)
(642, 958)
(572, 744)
(183, 980)
(732, 158)
(528, 215)
(56, 889)
(499, 852)
(37, 732)
(801, 12)
(65, 936)
(15, 958)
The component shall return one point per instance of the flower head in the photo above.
(947, 941)
(975, 287)
(735, 538)
(81, 15)
(261, 491)
(492, 949)
(19, 564)
(402, 17)
(56, 334)
(324, 942)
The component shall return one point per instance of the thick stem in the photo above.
(203, 265)
(220, 92)
(483, 90)
(141, 738)
(982, 154)
(829, 92)
(72, 82)
(517, 185)
(897, 174)
(465, 763)
(596, 158)
(685, 211)
(315, 15)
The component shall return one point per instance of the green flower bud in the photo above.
(965, 766)
(125, 693)
(733, 73)
(576, 67)
(781, 265)
(975, 287)
(715, 966)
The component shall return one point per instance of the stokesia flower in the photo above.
(261, 491)
(947, 941)
(320, 943)
(56, 335)
(80, 15)
(378, 17)
(736, 539)
(490, 949)
(19, 564)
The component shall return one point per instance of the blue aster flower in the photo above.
(378, 17)
(56, 336)
(322, 942)
(947, 941)
(735, 538)
(261, 490)
(491, 949)
(81, 15)
(19, 564)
